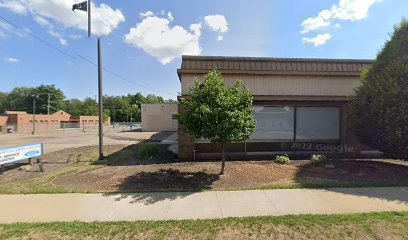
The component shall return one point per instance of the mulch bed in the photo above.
(123, 171)
(238, 175)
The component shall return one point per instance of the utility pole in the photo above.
(48, 105)
(48, 112)
(33, 132)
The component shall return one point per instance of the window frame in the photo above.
(294, 139)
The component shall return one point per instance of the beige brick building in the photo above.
(300, 104)
(159, 117)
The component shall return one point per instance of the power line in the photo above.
(78, 55)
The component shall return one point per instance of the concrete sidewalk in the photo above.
(203, 205)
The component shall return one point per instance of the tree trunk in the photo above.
(222, 159)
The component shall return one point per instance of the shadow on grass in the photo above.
(357, 177)
(163, 184)
(128, 156)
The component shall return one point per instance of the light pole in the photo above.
(100, 100)
(34, 103)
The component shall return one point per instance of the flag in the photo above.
(83, 6)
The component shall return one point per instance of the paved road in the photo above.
(58, 141)
(204, 205)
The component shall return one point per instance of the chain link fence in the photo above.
(69, 127)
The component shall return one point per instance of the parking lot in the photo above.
(55, 141)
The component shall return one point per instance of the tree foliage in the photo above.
(217, 112)
(3, 102)
(21, 99)
(380, 105)
(120, 108)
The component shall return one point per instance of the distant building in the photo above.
(23, 122)
(3, 123)
(159, 117)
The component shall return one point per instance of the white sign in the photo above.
(18, 153)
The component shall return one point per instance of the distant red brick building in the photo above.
(3, 123)
(23, 122)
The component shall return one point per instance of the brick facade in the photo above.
(186, 143)
(23, 122)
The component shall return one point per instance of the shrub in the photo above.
(318, 158)
(380, 105)
(147, 150)
(282, 159)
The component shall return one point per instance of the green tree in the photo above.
(151, 98)
(89, 107)
(121, 108)
(219, 113)
(21, 99)
(3, 102)
(73, 107)
(170, 101)
(138, 98)
(380, 105)
(57, 98)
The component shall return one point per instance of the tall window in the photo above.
(273, 123)
(318, 123)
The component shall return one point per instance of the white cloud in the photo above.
(147, 14)
(156, 36)
(217, 23)
(7, 29)
(104, 18)
(16, 6)
(58, 36)
(196, 28)
(11, 60)
(4, 28)
(220, 38)
(42, 21)
(170, 16)
(75, 36)
(318, 40)
(346, 10)
(311, 24)
(352, 9)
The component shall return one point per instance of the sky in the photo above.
(45, 42)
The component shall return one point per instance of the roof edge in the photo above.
(237, 58)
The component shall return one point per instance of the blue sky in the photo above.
(143, 40)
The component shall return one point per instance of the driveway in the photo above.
(58, 141)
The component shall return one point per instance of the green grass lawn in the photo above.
(387, 225)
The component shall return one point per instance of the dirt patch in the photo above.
(142, 136)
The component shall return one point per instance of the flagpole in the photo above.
(89, 18)
(80, 6)
(100, 101)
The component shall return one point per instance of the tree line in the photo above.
(123, 108)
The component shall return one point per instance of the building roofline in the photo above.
(316, 66)
(271, 59)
